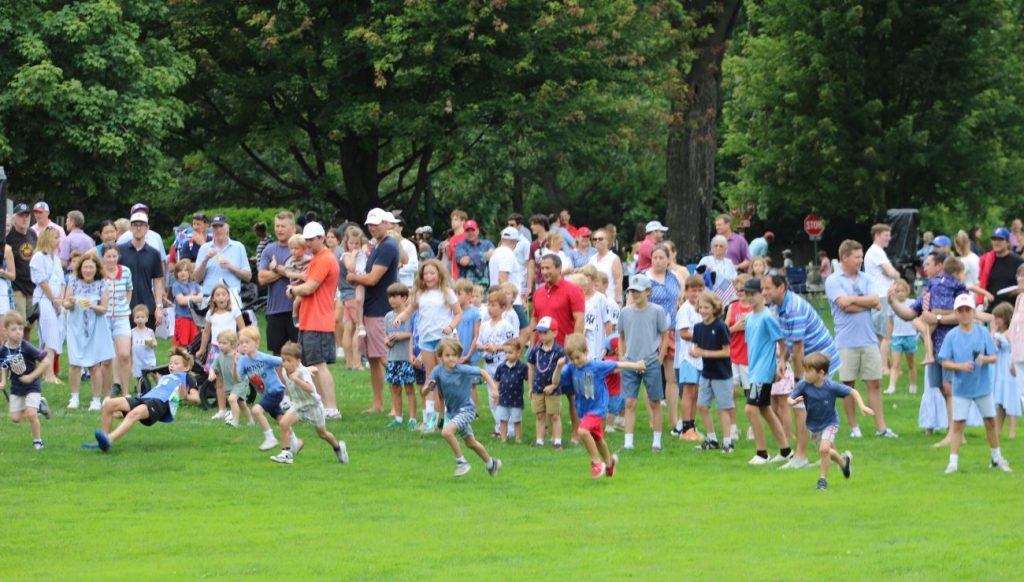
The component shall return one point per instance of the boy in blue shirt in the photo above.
(157, 405)
(586, 377)
(764, 343)
(819, 393)
(968, 351)
(455, 381)
(263, 371)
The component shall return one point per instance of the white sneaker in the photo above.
(1002, 464)
(951, 468)
(795, 463)
(229, 418)
(757, 460)
(73, 403)
(780, 458)
(95, 405)
(330, 413)
(339, 353)
(283, 457)
(750, 433)
(342, 453)
(855, 433)
(734, 435)
(890, 390)
(268, 443)
(232, 423)
(913, 389)
(887, 433)
(461, 469)
(220, 415)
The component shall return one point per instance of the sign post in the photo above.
(814, 226)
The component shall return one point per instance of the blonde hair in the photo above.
(443, 280)
(577, 279)
(498, 296)
(962, 243)
(47, 241)
(575, 344)
(590, 272)
(712, 300)
(251, 333)
(183, 354)
(762, 261)
(464, 286)
(13, 318)
(140, 308)
(901, 285)
(296, 241)
(447, 345)
(228, 336)
(184, 265)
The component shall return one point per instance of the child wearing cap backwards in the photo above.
(544, 398)
(968, 351)
(764, 344)
(819, 393)
(587, 378)
(641, 327)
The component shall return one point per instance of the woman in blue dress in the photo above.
(665, 290)
(88, 333)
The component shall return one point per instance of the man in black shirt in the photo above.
(147, 270)
(22, 240)
(1003, 273)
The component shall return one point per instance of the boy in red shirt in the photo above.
(734, 319)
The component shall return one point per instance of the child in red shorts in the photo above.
(616, 403)
(184, 290)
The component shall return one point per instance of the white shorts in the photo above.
(508, 414)
(741, 376)
(20, 403)
(311, 414)
(961, 406)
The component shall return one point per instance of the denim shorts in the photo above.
(652, 379)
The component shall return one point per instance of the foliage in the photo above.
(849, 107)
(87, 100)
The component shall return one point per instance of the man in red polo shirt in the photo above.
(558, 299)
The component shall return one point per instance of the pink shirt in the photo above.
(1016, 331)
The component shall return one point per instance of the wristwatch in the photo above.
(938, 317)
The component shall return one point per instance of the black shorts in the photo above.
(760, 395)
(318, 347)
(420, 374)
(158, 409)
(280, 329)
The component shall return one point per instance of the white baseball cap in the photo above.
(545, 324)
(312, 230)
(389, 218)
(963, 300)
(375, 216)
(510, 233)
(655, 225)
(139, 217)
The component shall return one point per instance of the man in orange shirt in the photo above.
(316, 314)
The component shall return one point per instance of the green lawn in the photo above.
(196, 499)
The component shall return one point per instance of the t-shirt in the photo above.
(1002, 275)
(820, 402)
(901, 328)
(224, 366)
(277, 299)
(187, 289)
(713, 336)
(544, 363)
(385, 254)
(456, 386)
(738, 341)
(399, 351)
(22, 245)
(503, 260)
(233, 254)
(595, 317)
(143, 356)
(145, 265)
(165, 388)
(854, 329)
(875, 260)
(466, 330)
(495, 332)
(222, 321)
(298, 395)
(641, 329)
(737, 249)
(511, 380)
(961, 346)
(120, 285)
(261, 370)
(686, 318)
(435, 309)
(316, 312)
(763, 332)
(21, 361)
(588, 381)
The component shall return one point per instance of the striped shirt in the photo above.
(800, 322)
(120, 287)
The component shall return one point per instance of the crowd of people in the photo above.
(559, 312)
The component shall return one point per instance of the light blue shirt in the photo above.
(265, 367)
(235, 253)
(853, 330)
(758, 247)
(763, 333)
(961, 347)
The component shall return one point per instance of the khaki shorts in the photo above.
(546, 404)
(20, 403)
(860, 364)
(21, 302)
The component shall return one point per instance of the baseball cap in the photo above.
(583, 232)
(942, 241)
(655, 225)
(139, 217)
(546, 324)
(769, 235)
(425, 230)
(639, 283)
(219, 219)
(375, 216)
(1001, 233)
(21, 208)
(389, 218)
(752, 285)
(510, 233)
(139, 207)
(470, 225)
(41, 206)
(312, 230)
(963, 300)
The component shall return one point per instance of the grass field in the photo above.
(196, 499)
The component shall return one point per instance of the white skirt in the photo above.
(51, 327)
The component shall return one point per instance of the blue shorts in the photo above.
(271, 402)
(616, 404)
(653, 382)
(428, 346)
(420, 375)
(904, 343)
(687, 374)
(398, 372)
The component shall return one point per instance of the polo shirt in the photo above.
(559, 301)
(234, 252)
(145, 266)
(736, 249)
(853, 330)
(800, 322)
(76, 240)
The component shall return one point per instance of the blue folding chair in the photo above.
(796, 277)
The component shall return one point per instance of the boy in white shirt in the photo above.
(687, 367)
(494, 332)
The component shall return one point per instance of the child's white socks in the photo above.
(657, 440)
(628, 441)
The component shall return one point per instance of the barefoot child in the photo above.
(223, 373)
(157, 405)
(455, 382)
(711, 344)
(588, 379)
(262, 370)
(510, 375)
(306, 406)
(398, 371)
(904, 340)
(23, 364)
(819, 393)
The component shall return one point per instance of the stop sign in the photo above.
(814, 226)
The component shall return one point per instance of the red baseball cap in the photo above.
(470, 225)
(583, 232)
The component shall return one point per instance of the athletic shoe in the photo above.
(115, 389)
(220, 415)
(610, 470)
(394, 423)
(102, 440)
(339, 353)
(283, 457)
(855, 433)
(951, 468)
(734, 434)
(675, 432)
(795, 463)
(1000, 464)
(231, 422)
(780, 458)
(890, 390)
(495, 467)
(757, 460)
(461, 469)
(558, 446)
(44, 407)
(887, 433)
(342, 453)
(298, 446)
(728, 449)
(332, 413)
(94, 405)
(609, 429)
(38, 445)
(822, 484)
(412, 424)
(913, 389)
(430, 423)
(690, 435)
(848, 466)
(73, 404)
(268, 443)
(597, 470)
(750, 433)
(229, 418)
(655, 448)
(707, 445)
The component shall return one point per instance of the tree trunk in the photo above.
(693, 139)
(359, 172)
(517, 191)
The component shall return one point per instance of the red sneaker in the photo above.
(611, 466)
(597, 470)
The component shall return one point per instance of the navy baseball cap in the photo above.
(21, 208)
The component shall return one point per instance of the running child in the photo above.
(818, 392)
(641, 327)
(764, 344)
(687, 366)
(544, 397)
(904, 340)
(306, 407)
(455, 382)
(158, 405)
(711, 343)
(23, 364)
(185, 291)
(143, 347)
(587, 378)
(968, 351)
(511, 374)
(398, 371)
(221, 315)
(222, 372)
(262, 370)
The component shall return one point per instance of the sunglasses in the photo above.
(598, 238)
